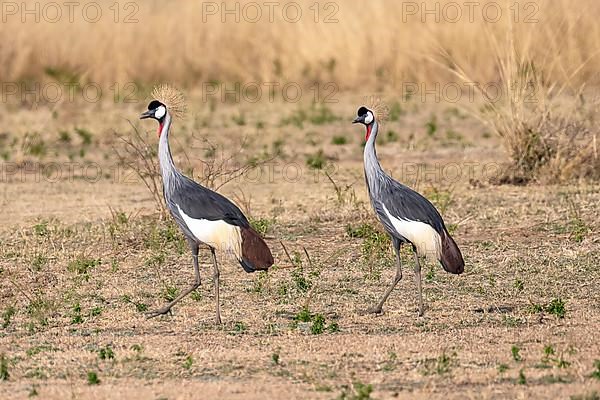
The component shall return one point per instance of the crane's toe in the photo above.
(156, 313)
(377, 310)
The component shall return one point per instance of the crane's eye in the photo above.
(160, 112)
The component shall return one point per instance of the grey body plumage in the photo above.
(407, 216)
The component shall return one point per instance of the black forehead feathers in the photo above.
(362, 111)
(154, 104)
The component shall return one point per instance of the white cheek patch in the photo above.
(369, 118)
(160, 112)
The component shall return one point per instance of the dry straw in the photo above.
(172, 98)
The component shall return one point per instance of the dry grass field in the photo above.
(84, 254)
(85, 250)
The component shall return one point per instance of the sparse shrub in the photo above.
(547, 131)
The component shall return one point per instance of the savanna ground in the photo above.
(85, 250)
(84, 254)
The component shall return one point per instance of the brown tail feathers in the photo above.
(255, 252)
(452, 259)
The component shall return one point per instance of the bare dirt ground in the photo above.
(83, 254)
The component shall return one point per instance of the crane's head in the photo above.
(365, 117)
(156, 110)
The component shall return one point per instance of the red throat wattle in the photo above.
(160, 126)
(368, 132)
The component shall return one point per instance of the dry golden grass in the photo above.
(375, 47)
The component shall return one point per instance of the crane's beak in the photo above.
(359, 119)
(147, 114)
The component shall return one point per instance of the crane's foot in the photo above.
(156, 313)
(218, 320)
(377, 310)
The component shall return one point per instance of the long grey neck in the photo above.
(167, 167)
(373, 170)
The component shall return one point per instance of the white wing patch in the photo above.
(218, 234)
(426, 239)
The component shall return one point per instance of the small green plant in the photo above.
(596, 373)
(275, 358)
(189, 361)
(318, 324)
(303, 315)
(339, 140)
(4, 375)
(83, 265)
(239, 120)
(196, 295)
(361, 391)
(588, 396)
(431, 126)
(522, 380)
(557, 307)
(519, 285)
(316, 160)
(239, 328)
(92, 378)
(76, 317)
(262, 225)
(502, 368)
(85, 135)
(41, 229)
(38, 262)
(170, 293)
(7, 316)
(443, 364)
(106, 353)
(516, 353)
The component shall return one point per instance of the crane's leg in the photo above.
(195, 285)
(418, 281)
(216, 282)
(378, 309)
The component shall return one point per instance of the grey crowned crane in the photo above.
(204, 216)
(407, 216)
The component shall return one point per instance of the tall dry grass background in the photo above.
(543, 55)
(373, 46)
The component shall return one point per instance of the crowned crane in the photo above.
(407, 216)
(204, 216)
